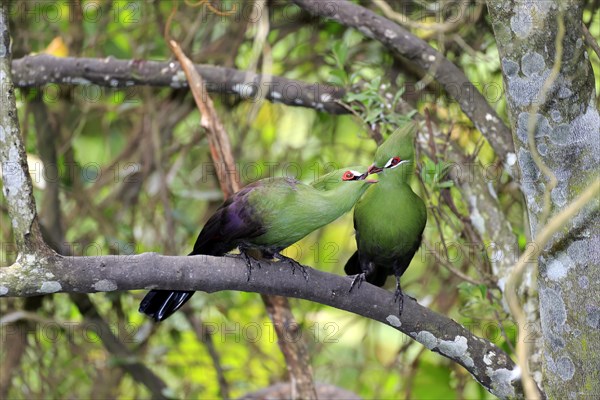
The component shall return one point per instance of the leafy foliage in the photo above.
(134, 175)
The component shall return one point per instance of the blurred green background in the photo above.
(135, 176)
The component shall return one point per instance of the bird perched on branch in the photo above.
(389, 219)
(268, 215)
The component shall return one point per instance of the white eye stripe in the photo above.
(390, 164)
(356, 173)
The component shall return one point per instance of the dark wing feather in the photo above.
(226, 228)
(232, 223)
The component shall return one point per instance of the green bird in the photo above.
(267, 215)
(389, 219)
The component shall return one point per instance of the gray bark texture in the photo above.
(549, 87)
(39, 271)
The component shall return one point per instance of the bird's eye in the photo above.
(350, 175)
(393, 162)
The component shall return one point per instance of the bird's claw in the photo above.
(248, 259)
(294, 264)
(399, 297)
(358, 279)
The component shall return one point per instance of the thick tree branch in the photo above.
(417, 51)
(489, 364)
(17, 187)
(40, 70)
(551, 99)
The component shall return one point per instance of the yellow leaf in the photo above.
(57, 48)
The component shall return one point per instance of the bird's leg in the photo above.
(367, 270)
(248, 259)
(293, 263)
(358, 279)
(399, 296)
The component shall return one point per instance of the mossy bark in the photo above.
(566, 139)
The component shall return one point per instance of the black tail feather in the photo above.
(377, 276)
(160, 304)
(352, 266)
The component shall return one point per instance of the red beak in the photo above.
(373, 169)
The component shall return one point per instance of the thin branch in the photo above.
(40, 70)
(205, 336)
(417, 51)
(589, 40)
(294, 352)
(497, 373)
(283, 391)
(129, 361)
(436, 27)
(14, 343)
(218, 140)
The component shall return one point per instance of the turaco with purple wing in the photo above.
(269, 215)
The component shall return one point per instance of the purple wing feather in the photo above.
(231, 224)
(228, 227)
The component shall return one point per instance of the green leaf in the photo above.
(339, 76)
(340, 52)
(483, 289)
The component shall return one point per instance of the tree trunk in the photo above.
(549, 87)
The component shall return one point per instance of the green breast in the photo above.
(389, 221)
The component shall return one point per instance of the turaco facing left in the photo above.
(390, 218)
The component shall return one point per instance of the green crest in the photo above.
(398, 144)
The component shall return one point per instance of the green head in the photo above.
(397, 150)
(341, 189)
(335, 178)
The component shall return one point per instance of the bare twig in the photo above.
(295, 352)
(205, 336)
(590, 41)
(417, 51)
(435, 27)
(114, 346)
(14, 343)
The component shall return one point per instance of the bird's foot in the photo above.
(294, 264)
(357, 280)
(399, 297)
(248, 260)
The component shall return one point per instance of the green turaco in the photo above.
(268, 215)
(389, 219)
